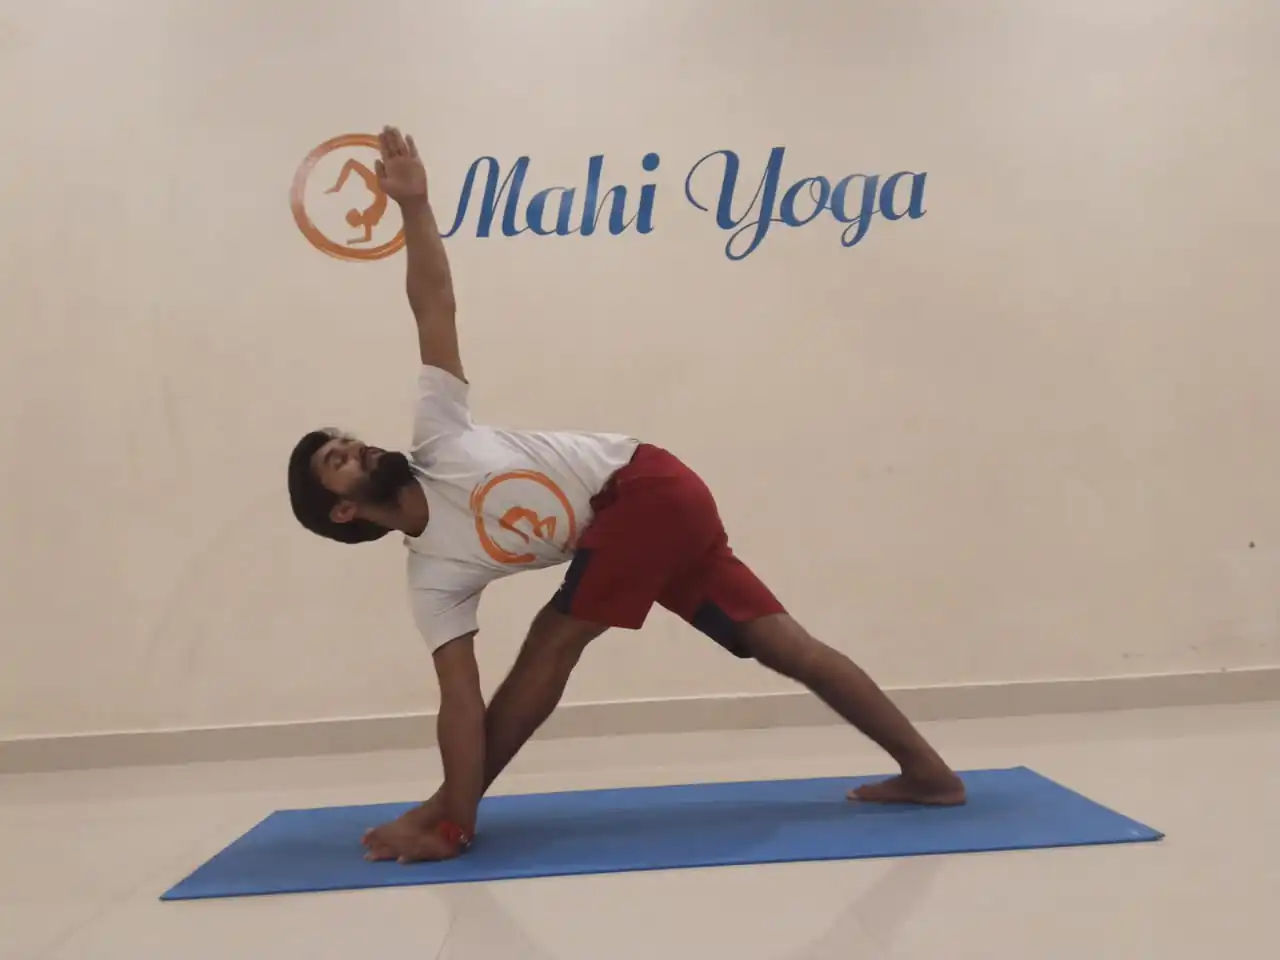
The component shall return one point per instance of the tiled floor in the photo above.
(85, 855)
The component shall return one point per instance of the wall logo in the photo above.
(338, 205)
(494, 201)
(513, 510)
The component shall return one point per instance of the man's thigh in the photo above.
(657, 523)
(720, 596)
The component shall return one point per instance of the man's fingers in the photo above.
(380, 851)
(422, 854)
(401, 842)
(377, 846)
(379, 169)
(413, 147)
(426, 847)
(412, 853)
(395, 146)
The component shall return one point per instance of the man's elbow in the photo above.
(462, 708)
(462, 702)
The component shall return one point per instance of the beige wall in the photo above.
(1031, 434)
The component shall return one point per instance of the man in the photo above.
(477, 503)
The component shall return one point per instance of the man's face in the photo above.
(360, 473)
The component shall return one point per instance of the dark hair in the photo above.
(313, 502)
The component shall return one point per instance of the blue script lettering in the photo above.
(802, 202)
(557, 202)
(819, 191)
(538, 205)
(915, 208)
(861, 222)
(493, 192)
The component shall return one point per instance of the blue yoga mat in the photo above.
(662, 828)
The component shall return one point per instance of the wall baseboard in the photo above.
(618, 718)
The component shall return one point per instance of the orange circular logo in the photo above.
(513, 510)
(338, 204)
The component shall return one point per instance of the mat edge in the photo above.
(694, 865)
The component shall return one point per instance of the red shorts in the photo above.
(657, 537)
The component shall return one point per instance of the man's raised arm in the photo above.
(403, 178)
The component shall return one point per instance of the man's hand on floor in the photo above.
(412, 838)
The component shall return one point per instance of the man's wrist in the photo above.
(455, 834)
(415, 207)
(463, 817)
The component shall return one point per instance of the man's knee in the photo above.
(553, 634)
(781, 644)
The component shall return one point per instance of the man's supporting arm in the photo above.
(460, 729)
(523, 701)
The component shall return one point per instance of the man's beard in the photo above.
(382, 486)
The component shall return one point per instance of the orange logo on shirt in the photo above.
(324, 193)
(544, 528)
(538, 510)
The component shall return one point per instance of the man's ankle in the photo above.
(924, 765)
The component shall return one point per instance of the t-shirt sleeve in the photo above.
(443, 615)
(442, 408)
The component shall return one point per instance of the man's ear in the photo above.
(344, 511)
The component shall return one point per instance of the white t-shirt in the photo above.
(500, 501)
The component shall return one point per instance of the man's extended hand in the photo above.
(409, 839)
(401, 174)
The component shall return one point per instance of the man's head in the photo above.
(336, 483)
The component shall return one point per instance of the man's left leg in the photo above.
(534, 685)
(725, 600)
(781, 644)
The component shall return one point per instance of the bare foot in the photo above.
(407, 841)
(936, 790)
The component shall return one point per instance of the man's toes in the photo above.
(886, 791)
(944, 793)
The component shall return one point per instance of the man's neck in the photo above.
(409, 515)
(413, 511)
